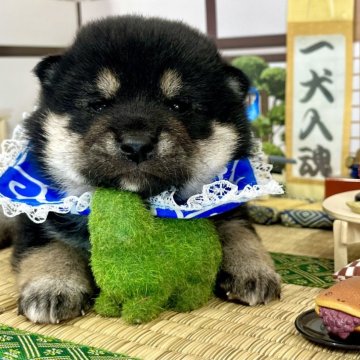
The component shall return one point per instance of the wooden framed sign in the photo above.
(318, 88)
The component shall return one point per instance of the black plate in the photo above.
(310, 325)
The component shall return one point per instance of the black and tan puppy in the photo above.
(141, 105)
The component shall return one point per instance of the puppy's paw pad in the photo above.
(51, 300)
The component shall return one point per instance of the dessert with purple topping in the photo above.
(339, 307)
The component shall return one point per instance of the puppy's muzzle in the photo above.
(137, 147)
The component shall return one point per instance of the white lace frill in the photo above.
(10, 150)
(223, 191)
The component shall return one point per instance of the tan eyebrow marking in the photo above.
(108, 83)
(170, 83)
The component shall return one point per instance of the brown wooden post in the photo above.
(211, 24)
(357, 21)
(264, 102)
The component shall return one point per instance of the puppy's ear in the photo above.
(46, 68)
(237, 80)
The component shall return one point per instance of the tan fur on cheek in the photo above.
(175, 140)
(104, 144)
(108, 83)
(217, 150)
(170, 83)
(63, 153)
(212, 156)
(165, 145)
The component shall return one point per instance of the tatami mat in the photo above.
(220, 330)
(302, 241)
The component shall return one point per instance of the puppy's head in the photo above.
(138, 104)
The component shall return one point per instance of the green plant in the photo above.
(252, 66)
(276, 114)
(262, 128)
(272, 80)
(271, 149)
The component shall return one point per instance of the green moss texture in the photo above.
(144, 264)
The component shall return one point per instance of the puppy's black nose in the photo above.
(137, 148)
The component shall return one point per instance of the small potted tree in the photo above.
(270, 81)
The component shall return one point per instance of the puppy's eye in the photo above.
(99, 105)
(178, 106)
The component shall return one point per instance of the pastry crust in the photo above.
(344, 296)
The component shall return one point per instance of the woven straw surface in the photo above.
(217, 331)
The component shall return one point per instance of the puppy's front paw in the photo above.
(50, 300)
(254, 285)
